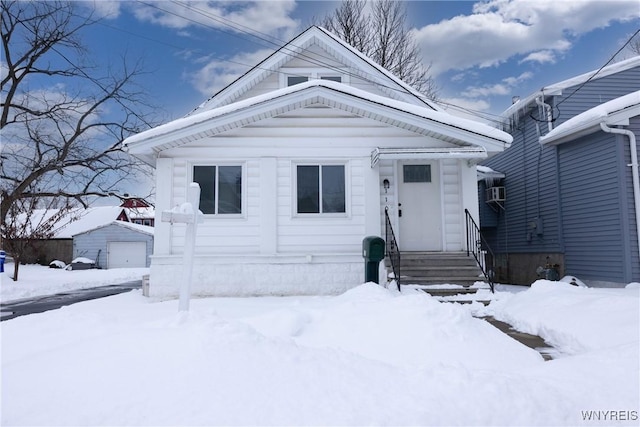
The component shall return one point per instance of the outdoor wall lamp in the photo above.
(385, 184)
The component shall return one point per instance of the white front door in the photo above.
(419, 206)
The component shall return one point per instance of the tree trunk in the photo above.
(16, 266)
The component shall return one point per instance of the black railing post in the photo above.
(475, 244)
(391, 246)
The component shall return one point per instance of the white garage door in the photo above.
(127, 255)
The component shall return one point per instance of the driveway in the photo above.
(41, 304)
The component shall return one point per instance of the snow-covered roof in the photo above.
(358, 64)
(78, 220)
(140, 213)
(313, 92)
(615, 112)
(557, 88)
(135, 227)
(485, 172)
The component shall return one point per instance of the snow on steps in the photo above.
(440, 268)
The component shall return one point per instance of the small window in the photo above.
(294, 80)
(416, 173)
(332, 78)
(321, 189)
(220, 189)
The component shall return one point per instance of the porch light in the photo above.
(385, 184)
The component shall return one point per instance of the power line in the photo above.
(600, 69)
(284, 47)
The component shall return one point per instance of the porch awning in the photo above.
(427, 153)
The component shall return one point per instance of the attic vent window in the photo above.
(294, 80)
(332, 78)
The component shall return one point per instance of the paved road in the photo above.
(41, 304)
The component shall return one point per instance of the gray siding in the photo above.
(594, 93)
(593, 221)
(531, 192)
(93, 244)
(574, 188)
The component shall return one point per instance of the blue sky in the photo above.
(481, 53)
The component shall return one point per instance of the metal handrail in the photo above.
(479, 247)
(392, 249)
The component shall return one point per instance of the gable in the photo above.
(415, 119)
(319, 50)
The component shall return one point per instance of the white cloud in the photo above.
(503, 88)
(467, 108)
(109, 9)
(270, 17)
(217, 74)
(541, 56)
(500, 29)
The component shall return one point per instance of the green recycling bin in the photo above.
(373, 249)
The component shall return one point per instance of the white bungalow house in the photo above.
(298, 160)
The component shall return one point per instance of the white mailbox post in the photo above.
(188, 213)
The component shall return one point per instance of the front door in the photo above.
(419, 206)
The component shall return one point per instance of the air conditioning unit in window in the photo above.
(496, 194)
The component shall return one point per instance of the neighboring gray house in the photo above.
(118, 244)
(566, 192)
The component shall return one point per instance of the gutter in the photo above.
(547, 108)
(634, 171)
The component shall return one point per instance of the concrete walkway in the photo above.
(40, 304)
(532, 341)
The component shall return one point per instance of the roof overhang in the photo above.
(617, 112)
(427, 153)
(558, 88)
(420, 120)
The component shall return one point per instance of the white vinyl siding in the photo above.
(312, 135)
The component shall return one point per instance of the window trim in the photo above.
(313, 74)
(347, 189)
(243, 187)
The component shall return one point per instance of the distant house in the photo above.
(566, 192)
(62, 246)
(137, 211)
(300, 159)
(117, 244)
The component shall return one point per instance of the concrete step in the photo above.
(448, 292)
(440, 270)
(432, 268)
(463, 281)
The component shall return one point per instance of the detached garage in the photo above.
(118, 244)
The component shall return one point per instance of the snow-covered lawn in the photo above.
(35, 280)
(371, 356)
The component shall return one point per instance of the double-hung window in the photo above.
(220, 189)
(320, 189)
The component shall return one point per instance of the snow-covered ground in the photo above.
(36, 280)
(371, 356)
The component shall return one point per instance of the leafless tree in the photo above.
(381, 33)
(62, 118)
(27, 227)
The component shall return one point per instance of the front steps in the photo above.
(434, 268)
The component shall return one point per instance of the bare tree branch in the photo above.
(382, 35)
(63, 119)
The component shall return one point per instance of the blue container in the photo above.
(3, 255)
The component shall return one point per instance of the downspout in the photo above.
(634, 171)
(547, 108)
